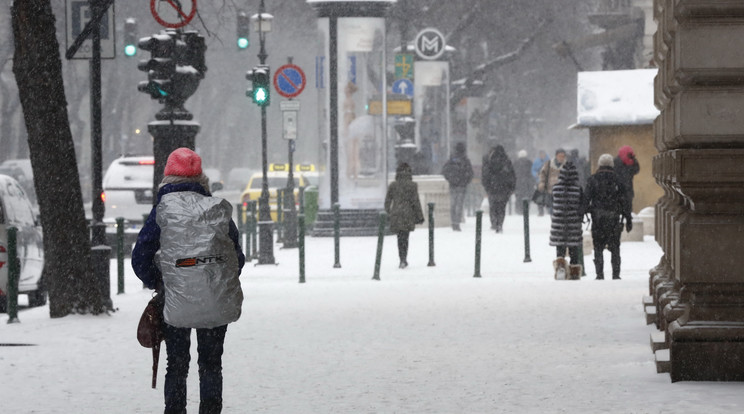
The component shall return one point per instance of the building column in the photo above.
(698, 287)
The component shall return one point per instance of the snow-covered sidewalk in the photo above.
(420, 340)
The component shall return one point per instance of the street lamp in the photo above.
(262, 24)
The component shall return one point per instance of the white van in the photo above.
(16, 211)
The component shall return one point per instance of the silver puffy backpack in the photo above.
(198, 261)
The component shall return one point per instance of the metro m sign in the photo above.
(430, 44)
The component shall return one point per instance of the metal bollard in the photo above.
(14, 271)
(120, 255)
(337, 235)
(244, 229)
(241, 225)
(301, 237)
(526, 213)
(380, 239)
(279, 215)
(254, 229)
(301, 200)
(478, 225)
(431, 234)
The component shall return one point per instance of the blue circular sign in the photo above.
(403, 87)
(289, 80)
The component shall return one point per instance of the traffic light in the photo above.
(160, 68)
(130, 37)
(260, 92)
(191, 66)
(242, 30)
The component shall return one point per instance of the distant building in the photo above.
(617, 107)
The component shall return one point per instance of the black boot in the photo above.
(210, 406)
(599, 268)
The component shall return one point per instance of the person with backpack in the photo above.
(605, 201)
(565, 223)
(458, 172)
(499, 180)
(188, 249)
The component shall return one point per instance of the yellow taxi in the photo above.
(277, 176)
(311, 174)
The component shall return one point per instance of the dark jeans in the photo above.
(606, 232)
(209, 347)
(573, 253)
(497, 209)
(403, 245)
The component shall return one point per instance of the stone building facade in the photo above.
(697, 289)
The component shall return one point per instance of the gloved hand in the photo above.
(628, 225)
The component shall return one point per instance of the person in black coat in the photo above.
(627, 167)
(458, 172)
(605, 201)
(404, 208)
(498, 180)
(565, 222)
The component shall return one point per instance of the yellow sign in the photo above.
(305, 167)
(393, 107)
(278, 167)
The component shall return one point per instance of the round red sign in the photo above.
(289, 80)
(176, 4)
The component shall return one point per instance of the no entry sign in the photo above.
(184, 16)
(289, 80)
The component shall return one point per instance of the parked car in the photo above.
(127, 193)
(276, 179)
(16, 211)
(20, 170)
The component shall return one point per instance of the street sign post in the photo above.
(404, 66)
(290, 110)
(403, 87)
(289, 80)
(77, 15)
(173, 7)
(430, 44)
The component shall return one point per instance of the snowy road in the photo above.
(421, 340)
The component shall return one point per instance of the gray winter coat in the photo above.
(566, 220)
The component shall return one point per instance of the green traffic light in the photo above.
(243, 43)
(130, 50)
(261, 96)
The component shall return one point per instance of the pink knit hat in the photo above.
(183, 162)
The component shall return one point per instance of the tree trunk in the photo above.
(37, 67)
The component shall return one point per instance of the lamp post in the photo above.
(262, 23)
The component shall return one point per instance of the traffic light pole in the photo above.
(100, 252)
(265, 225)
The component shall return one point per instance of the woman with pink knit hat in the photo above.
(626, 167)
(188, 250)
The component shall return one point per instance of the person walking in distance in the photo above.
(458, 172)
(605, 201)
(627, 167)
(188, 249)
(549, 176)
(565, 223)
(404, 209)
(498, 180)
(541, 159)
(525, 182)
